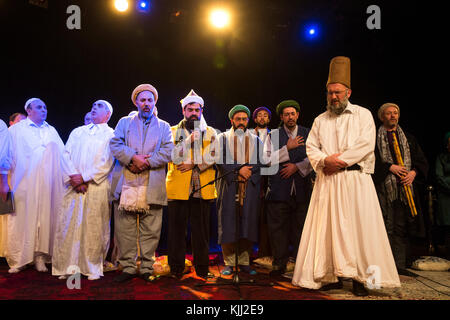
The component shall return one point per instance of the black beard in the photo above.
(262, 126)
(190, 123)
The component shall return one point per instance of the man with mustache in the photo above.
(142, 145)
(238, 147)
(289, 189)
(262, 116)
(390, 177)
(344, 233)
(5, 165)
(186, 174)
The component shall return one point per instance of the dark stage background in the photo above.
(263, 59)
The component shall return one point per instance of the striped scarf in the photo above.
(385, 152)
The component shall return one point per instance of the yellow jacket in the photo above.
(177, 183)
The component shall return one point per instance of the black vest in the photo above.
(279, 189)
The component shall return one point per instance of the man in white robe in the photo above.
(83, 225)
(5, 165)
(37, 186)
(87, 118)
(344, 233)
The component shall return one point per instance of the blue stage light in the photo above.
(311, 31)
(143, 6)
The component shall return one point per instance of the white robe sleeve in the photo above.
(365, 143)
(304, 167)
(314, 148)
(274, 157)
(5, 149)
(101, 166)
(69, 168)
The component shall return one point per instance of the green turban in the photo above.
(238, 108)
(286, 104)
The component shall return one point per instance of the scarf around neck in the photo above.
(385, 153)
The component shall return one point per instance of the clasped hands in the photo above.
(77, 182)
(406, 177)
(333, 164)
(139, 163)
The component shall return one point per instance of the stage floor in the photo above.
(31, 285)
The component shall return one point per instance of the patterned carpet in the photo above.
(31, 285)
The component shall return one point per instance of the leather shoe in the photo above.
(359, 290)
(247, 269)
(176, 275)
(405, 272)
(205, 276)
(149, 277)
(227, 270)
(124, 276)
(277, 271)
(333, 286)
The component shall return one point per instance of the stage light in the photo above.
(143, 6)
(219, 18)
(121, 5)
(311, 32)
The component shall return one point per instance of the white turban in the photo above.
(30, 101)
(107, 104)
(192, 97)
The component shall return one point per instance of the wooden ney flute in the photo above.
(407, 188)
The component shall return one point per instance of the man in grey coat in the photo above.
(142, 145)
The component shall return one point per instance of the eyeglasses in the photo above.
(241, 119)
(338, 93)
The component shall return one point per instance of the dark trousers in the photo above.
(263, 240)
(285, 221)
(198, 212)
(396, 221)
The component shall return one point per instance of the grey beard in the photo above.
(339, 108)
(239, 131)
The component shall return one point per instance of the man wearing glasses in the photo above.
(344, 234)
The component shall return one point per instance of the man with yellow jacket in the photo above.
(187, 172)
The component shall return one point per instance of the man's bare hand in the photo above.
(295, 142)
(333, 164)
(185, 167)
(76, 180)
(4, 187)
(399, 171)
(82, 188)
(408, 179)
(134, 169)
(140, 161)
(245, 172)
(288, 170)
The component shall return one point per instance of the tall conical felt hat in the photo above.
(339, 71)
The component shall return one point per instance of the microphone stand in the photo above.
(235, 281)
